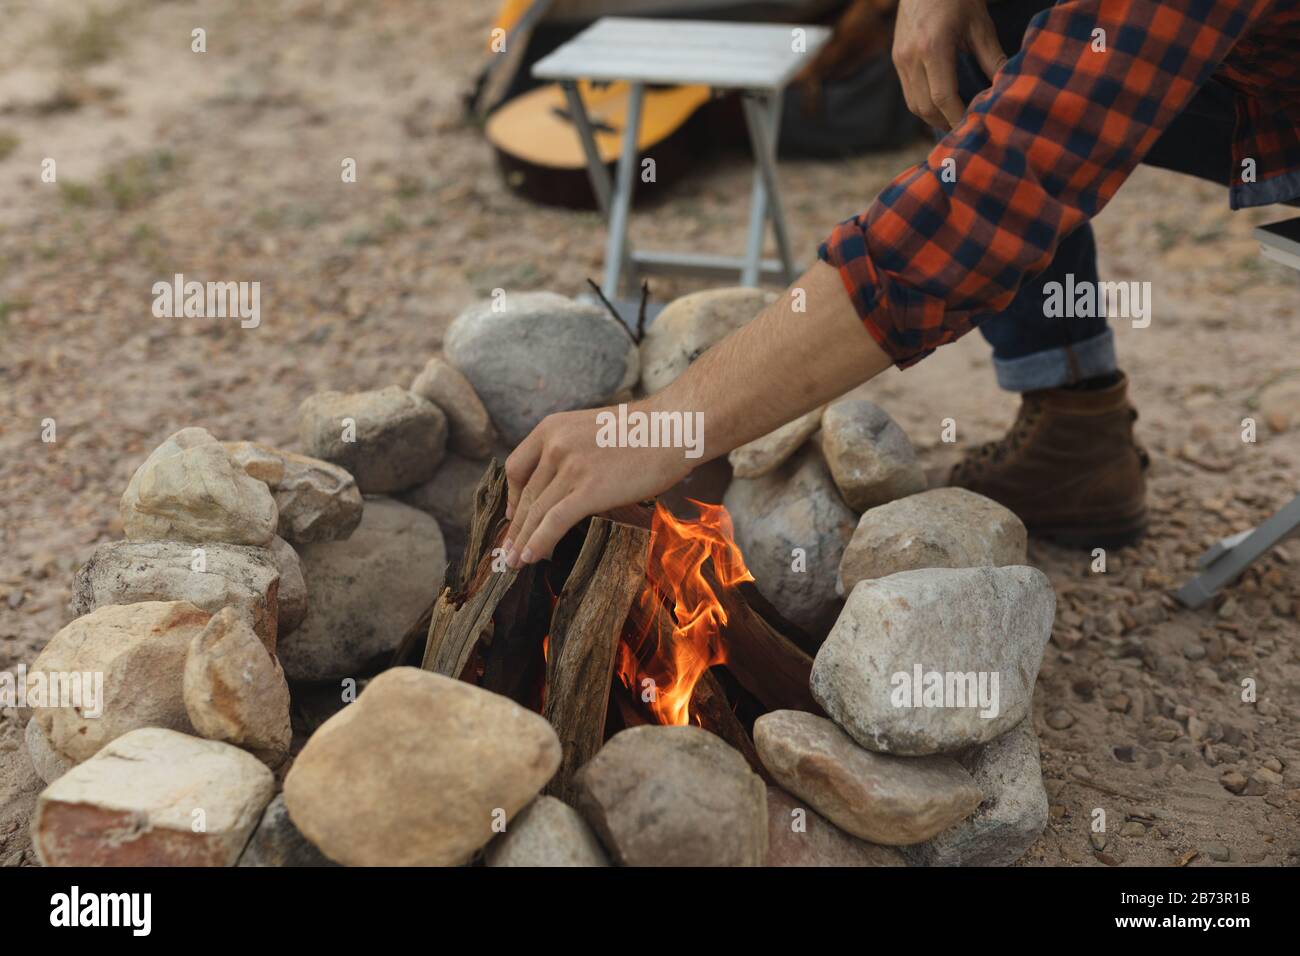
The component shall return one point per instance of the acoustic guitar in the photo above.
(540, 152)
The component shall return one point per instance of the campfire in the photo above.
(642, 616)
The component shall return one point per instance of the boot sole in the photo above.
(1114, 534)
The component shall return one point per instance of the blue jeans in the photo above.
(1031, 351)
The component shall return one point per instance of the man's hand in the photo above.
(928, 35)
(803, 350)
(559, 475)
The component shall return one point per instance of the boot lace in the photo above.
(989, 455)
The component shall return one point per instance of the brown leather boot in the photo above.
(1069, 467)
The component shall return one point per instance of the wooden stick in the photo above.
(762, 659)
(585, 630)
(710, 706)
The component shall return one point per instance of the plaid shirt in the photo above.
(1046, 146)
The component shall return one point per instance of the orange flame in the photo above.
(667, 659)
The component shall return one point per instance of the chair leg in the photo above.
(1228, 559)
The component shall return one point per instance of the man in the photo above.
(970, 237)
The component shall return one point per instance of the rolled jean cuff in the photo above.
(1053, 368)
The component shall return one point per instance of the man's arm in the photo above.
(779, 366)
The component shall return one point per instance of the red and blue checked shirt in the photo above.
(1046, 146)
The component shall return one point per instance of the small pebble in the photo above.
(1060, 719)
(1215, 851)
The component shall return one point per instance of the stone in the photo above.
(766, 454)
(1059, 719)
(188, 489)
(869, 456)
(140, 651)
(292, 603)
(1279, 403)
(449, 497)
(209, 576)
(1012, 815)
(316, 500)
(234, 689)
(472, 432)
(674, 796)
(940, 528)
(364, 593)
(394, 442)
(540, 354)
(548, 832)
(50, 765)
(689, 325)
(20, 785)
(934, 661)
(277, 842)
(136, 803)
(797, 835)
(894, 801)
(792, 527)
(431, 764)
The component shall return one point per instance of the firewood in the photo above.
(709, 705)
(585, 629)
(463, 616)
(761, 658)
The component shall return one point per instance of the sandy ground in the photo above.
(226, 166)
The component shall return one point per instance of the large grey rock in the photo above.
(1012, 815)
(277, 842)
(798, 835)
(292, 603)
(234, 689)
(189, 489)
(686, 328)
(153, 797)
(389, 439)
(792, 528)
(50, 765)
(138, 652)
(674, 796)
(548, 832)
(895, 801)
(764, 455)
(869, 455)
(209, 576)
(940, 528)
(420, 771)
(960, 633)
(449, 497)
(541, 353)
(316, 500)
(364, 593)
(472, 432)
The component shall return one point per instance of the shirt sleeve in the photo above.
(1037, 154)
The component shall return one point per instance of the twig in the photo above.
(640, 314)
(613, 311)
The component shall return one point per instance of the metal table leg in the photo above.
(596, 172)
(763, 117)
(1227, 559)
(616, 247)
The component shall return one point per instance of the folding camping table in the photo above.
(758, 60)
(1229, 557)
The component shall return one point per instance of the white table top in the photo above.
(750, 56)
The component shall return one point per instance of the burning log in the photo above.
(583, 641)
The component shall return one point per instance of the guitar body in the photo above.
(540, 152)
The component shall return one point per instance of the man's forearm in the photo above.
(803, 350)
